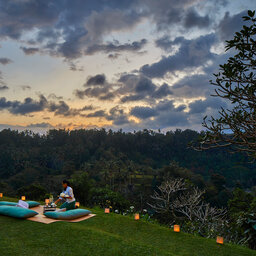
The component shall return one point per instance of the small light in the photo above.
(1, 194)
(137, 216)
(107, 210)
(220, 240)
(47, 201)
(23, 198)
(176, 228)
(77, 204)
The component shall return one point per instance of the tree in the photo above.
(32, 192)
(236, 82)
(82, 187)
(174, 199)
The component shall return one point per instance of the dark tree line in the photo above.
(132, 164)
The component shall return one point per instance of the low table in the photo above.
(49, 208)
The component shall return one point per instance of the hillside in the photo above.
(105, 234)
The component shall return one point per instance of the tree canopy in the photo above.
(235, 127)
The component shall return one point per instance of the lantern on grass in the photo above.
(220, 240)
(107, 210)
(1, 195)
(47, 201)
(23, 198)
(137, 216)
(176, 228)
(77, 204)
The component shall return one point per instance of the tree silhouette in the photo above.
(236, 82)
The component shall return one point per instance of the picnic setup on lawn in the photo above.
(49, 212)
(42, 213)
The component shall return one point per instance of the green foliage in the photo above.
(108, 198)
(243, 216)
(240, 202)
(32, 192)
(235, 82)
(82, 187)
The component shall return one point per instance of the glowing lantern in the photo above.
(1, 194)
(23, 198)
(107, 210)
(176, 228)
(220, 240)
(77, 204)
(136, 216)
(47, 201)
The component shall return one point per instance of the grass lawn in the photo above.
(105, 234)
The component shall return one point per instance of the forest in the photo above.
(133, 164)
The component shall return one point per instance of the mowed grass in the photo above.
(105, 234)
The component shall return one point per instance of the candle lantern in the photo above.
(107, 210)
(23, 198)
(47, 201)
(77, 204)
(220, 240)
(176, 228)
(1, 194)
(137, 216)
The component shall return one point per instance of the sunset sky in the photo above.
(112, 63)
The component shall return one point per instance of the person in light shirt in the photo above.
(68, 196)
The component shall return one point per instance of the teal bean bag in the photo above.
(16, 212)
(67, 215)
(7, 203)
(30, 203)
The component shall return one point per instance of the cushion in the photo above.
(7, 203)
(67, 215)
(16, 212)
(32, 203)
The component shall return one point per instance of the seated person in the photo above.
(68, 196)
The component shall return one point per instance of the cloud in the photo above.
(118, 116)
(113, 56)
(166, 44)
(96, 87)
(116, 47)
(162, 91)
(191, 54)
(64, 28)
(99, 113)
(41, 125)
(53, 96)
(29, 105)
(25, 87)
(200, 106)
(193, 19)
(129, 87)
(5, 61)
(71, 29)
(138, 87)
(162, 115)
(99, 79)
(143, 112)
(230, 24)
(88, 107)
(96, 92)
(192, 86)
(102, 23)
(30, 50)
(3, 87)
(166, 13)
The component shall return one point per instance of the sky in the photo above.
(119, 64)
